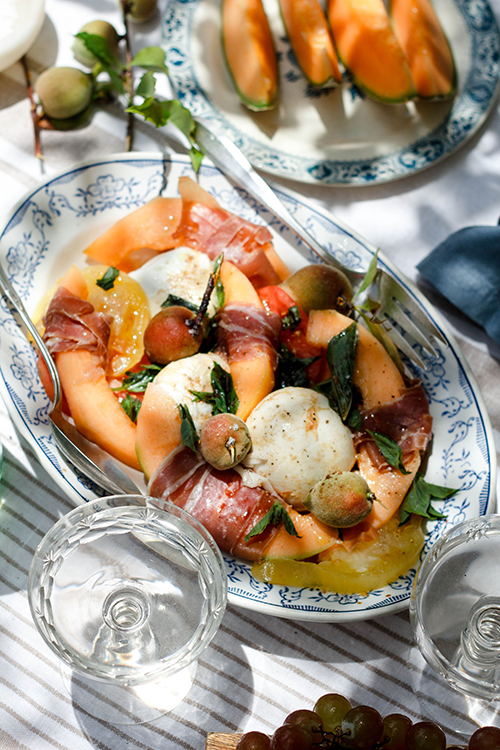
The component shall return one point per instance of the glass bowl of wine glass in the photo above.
(455, 616)
(128, 591)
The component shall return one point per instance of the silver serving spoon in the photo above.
(87, 457)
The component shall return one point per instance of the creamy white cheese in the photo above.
(297, 439)
(179, 378)
(182, 271)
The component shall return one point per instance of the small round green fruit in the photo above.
(341, 500)
(99, 28)
(318, 287)
(142, 10)
(224, 441)
(63, 91)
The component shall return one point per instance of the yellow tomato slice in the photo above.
(368, 566)
(128, 304)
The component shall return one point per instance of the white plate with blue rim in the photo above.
(49, 229)
(333, 136)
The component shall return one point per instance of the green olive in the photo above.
(98, 28)
(64, 92)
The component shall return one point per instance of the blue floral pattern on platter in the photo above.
(388, 158)
(49, 229)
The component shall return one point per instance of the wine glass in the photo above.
(127, 590)
(455, 615)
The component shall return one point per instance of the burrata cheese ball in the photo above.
(297, 440)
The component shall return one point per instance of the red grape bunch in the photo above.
(334, 723)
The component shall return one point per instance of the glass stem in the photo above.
(479, 652)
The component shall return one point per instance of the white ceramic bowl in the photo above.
(20, 24)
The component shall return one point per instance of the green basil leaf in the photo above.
(292, 319)
(152, 58)
(275, 515)
(222, 398)
(107, 281)
(390, 450)
(420, 497)
(131, 406)
(137, 382)
(291, 369)
(172, 300)
(189, 436)
(369, 276)
(340, 354)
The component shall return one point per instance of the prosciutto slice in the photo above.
(220, 500)
(406, 420)
(71, 323)
(214, 230)
(246, 332)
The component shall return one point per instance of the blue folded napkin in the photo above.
(465, 269)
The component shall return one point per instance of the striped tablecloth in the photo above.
(257, 668)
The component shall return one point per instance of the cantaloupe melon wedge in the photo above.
(158, 428)
(309, 35)
(426, 47)
(368, 48)
(94, 407)
(151, 226)
(375, 373)
(253, 379)
(314, 538)
(379, 381)
(249, 51)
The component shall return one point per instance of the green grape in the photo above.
(486, 738)
(309, 721)
(395, 729)
(363, 727)
(254, 741)
(425, 735)
(291, 737)
(331, 708)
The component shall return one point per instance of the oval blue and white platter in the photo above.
(333, 136)
(49, 229)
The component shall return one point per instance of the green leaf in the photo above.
(420, 497)
(292, 319)
(152, 58)
(340, 354)
(173, 300)
(107, 281)
(147, 86)
(196, 157)
(369, 276)
(153, 110)
(182, 118)
(99, 47)
(390, 450)
(131, 406)
(291, 369)
(137, 382)
(189, 436)
(222, 398)
(275, 515)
